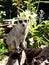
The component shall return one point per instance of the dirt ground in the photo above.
(4, 61)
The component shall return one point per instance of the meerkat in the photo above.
(17, 35)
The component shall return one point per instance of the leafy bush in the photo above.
(2, 49)
(0, 16)
(40, 33)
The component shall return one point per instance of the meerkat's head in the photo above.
(23, 22)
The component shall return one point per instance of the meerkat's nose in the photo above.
(23, 25)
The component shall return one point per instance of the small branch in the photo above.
(45, 38)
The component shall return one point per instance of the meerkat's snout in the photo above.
(23, 25)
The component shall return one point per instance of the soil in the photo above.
(4, 60)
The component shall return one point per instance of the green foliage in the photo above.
(2, 49)
(1, 31)
(1, 16)
(40, 33)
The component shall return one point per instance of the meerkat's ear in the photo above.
(15, 22)
(28, 20)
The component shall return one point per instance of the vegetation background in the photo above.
(38, 33)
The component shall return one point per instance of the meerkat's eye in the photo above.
(20, 21)
(25, 21)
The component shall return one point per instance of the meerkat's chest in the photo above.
(17, 33)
